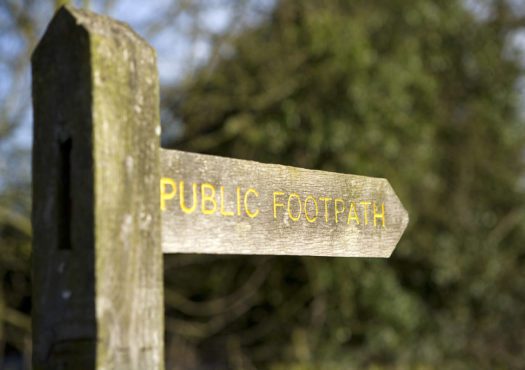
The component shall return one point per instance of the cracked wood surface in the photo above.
(243, 207)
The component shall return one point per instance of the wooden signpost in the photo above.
(222, 205)
(107, 201)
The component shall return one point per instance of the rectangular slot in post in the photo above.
(64, 199)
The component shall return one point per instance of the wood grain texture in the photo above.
(97, 258)
(314, 213)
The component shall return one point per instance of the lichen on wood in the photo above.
(97, 259)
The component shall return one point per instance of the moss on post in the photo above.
(97, 259)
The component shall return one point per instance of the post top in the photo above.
(68, 18)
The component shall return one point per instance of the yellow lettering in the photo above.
(238, 201)
(352, 214)
(365, 212)
(326, 201)
(164, 196)
(208, 198)
(182, 198)
(248, 192)
(379, 215)
(275, 204)
(306, 209)
(338, 201)
(223, 211)
(292, 217)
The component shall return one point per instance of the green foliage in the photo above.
(15, 288)
(422, 93)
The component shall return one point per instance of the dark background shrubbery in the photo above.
(425, 93)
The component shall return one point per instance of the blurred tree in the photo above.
(17, 34)
(423, 93)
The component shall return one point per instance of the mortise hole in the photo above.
(64, 205)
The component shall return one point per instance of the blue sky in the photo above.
(178, 53)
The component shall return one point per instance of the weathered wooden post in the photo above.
(97, 258)
(97, 253)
